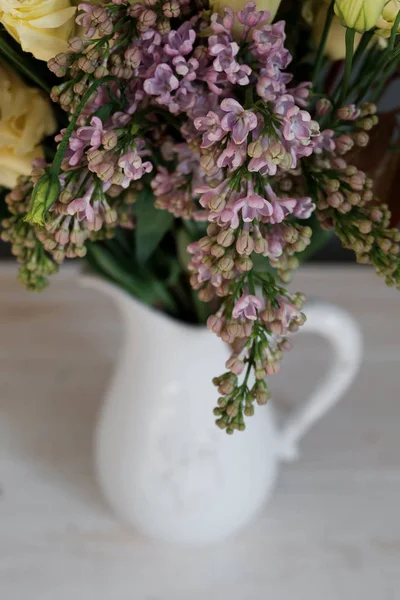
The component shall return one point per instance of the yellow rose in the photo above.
(387, 19)
(360, 15)
(41, 27)
(270, 5)
(315, 12)
(25, 118)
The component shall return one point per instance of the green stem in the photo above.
(21, 65)
(363, 45)
(350, 35)
(394, 32)
(322, 44)
(249, 365)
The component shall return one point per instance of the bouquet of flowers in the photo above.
(204, 150)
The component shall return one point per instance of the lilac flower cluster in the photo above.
(162, 95)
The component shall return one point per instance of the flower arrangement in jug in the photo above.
(200, 156)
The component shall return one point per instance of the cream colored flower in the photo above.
(41, 27)
(360, 15)
(315, 12)
(387, 19)
(25, 118)
(270, 5)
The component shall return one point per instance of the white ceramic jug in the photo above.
(161, 461)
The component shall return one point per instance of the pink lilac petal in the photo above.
(247, 306)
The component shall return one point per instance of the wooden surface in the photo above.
(331, 531)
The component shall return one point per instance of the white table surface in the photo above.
(331, 531)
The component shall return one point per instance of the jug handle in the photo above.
(341, 330)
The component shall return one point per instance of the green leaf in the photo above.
(105, 111)
(151, 225)
(146, 288)
(183, 239)
(104, 262)
(23, 62)
(319, 238)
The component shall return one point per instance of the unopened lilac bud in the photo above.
(335, 199)
(323, 106)
(348, 113)
(268, 315)
(260, 245)
(290, 235)
(206, 243)
(85, 65)
(366, 124)
(207, 162)
(110, 140)
(147, 18)
(276, 327)
(133, 57)
(226, 263)
(213, 230)
(368, 108)
(244, 264)
(255, 149)
(218, 251)
(285, 345)
(235, 329)
(249, 411)
(101, 72)
(66, 98)
(76, 44)
(70, 251)
(95, 157)
(217, 203)
(80, 87)
(361, 138)
(77, 236)
(245, 244)
(385, 245)
(135, 10)
(364, 227)
(96, 224)
(117, 178)
(344, 143)
(206, 294)
(226, 237)
(357, 181)
(105, 171)
(209, 261)
(376, 215)
(62, 235)
(262, 394)
(345, 208)
(235, 365)
(354, 198)
(272, 368)
(215, 324)
(163, 26)
(59, 255)
(110, 214)
(171, 9)
(226, 387)
(105, 28)
(332, 185)
(92, 53)
(55, 68)
(351, 170)
(80, 251)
